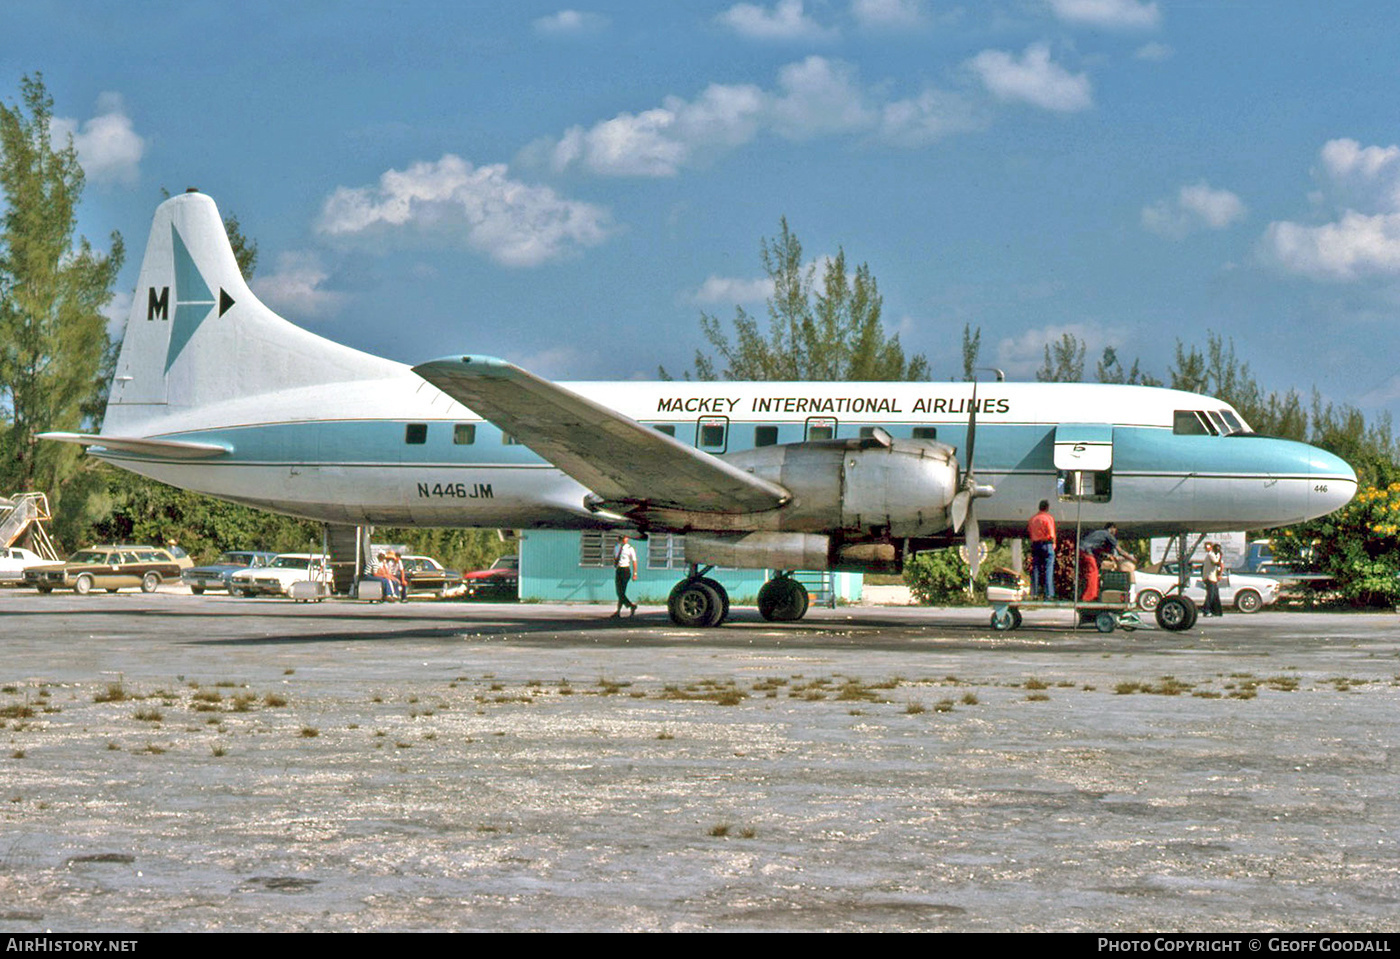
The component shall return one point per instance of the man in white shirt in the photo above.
(625, 560)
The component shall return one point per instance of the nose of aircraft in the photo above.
(1334, 483)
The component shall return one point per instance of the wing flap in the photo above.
(613, 455)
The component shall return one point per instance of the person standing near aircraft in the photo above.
(1042, 533)
(625, 559)
(1211, 569)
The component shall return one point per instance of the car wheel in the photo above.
(1248, 601)
(45, 589)
(149, 582)
(1148, 599)
(197, 590)
(236, 592)
(84, 585)
(113, 589)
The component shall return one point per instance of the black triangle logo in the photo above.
(225, 301)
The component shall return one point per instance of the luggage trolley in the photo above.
(1083, 458)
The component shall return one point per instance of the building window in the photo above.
(666, 551)
(595, 548)
(765, 436)
(415, 434)
(464, 434)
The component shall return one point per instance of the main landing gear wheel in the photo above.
(783, 600)
(695, 602)
(1176, 613)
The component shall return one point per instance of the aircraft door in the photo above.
(1084, 462)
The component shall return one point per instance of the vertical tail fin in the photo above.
(197, 335)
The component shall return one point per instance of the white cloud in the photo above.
(888, 14)
(1033, 79)
(514, 223)
(570, 23)
(108, 146)
(1114, 14)
(727, 291)
(1021, 356)
(785, 21)
(1153, 52)
(812, 98)
(819, 96)
(295, 287)
(1195, 207)
(1363, 186)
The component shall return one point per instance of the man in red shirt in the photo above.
(1042, 533)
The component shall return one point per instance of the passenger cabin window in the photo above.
(765, 436)
(415, 434)
(713, 435)
(464, 434)
(925, 433)
(1190, 423)
(668, 428)
(821, 428)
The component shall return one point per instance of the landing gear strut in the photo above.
(698, 600)
(783, 599)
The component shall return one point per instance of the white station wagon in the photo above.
(276, 578)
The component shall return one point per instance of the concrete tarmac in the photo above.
(171, 762)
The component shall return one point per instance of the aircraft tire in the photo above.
(694, 604)
(1176, 613)
(723, 595)
(783, 600)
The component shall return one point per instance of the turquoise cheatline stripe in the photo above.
(193, 300)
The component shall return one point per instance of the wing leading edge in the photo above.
(619, 459)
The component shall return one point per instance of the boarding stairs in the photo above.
(820, 586)
(25, 514)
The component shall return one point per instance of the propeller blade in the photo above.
(962, 502)
(972, 430)
(973, 538)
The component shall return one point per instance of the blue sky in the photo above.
(570, 187)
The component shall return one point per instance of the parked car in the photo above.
(1247, 592)
(219, 575)
(277, 577)
(14, 561)
(427, 575)
(501, 582)
(106, 567)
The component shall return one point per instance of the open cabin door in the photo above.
(1084, 461)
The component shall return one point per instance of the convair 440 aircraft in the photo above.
(216, 393)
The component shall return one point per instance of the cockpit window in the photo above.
(1191, 423)
(1218, 422)
(1237, 425)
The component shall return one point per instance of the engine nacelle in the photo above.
(789, 551)
(899, 488)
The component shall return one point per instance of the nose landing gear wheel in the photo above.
(1176, 613)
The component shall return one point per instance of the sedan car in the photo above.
(427, 575)
(501, 582)
(106, 567)
(277, 577)
(219, 575)
(1247, 592)
(14, 561)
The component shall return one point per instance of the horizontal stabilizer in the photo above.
(164, 449)
(613, 455)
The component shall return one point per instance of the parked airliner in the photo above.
(216, 393)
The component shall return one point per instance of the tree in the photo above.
(53, 335)
(971, 351)
(831, 333)
(1064, 361)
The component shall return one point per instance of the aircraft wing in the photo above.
(613, 455)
